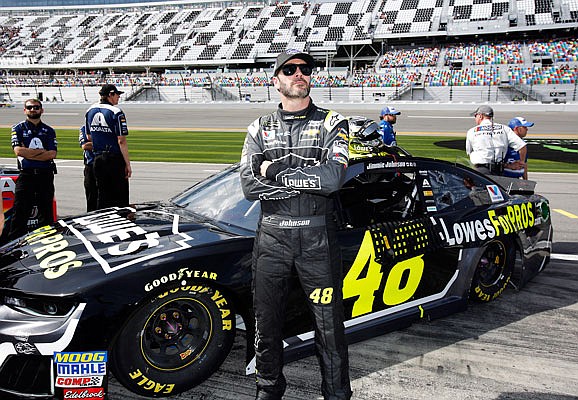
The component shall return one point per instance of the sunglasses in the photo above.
(290, 69)
(33, 107)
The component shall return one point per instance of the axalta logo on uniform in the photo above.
(511, 219)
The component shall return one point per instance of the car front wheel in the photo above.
(174, 341)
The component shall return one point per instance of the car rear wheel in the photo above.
(493, 270)
(174, 341)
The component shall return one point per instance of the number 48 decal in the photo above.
(401, 283)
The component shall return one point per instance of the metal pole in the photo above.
(575, 83)
(184, 86)
(396, 83)
(238, 84)
(268, 86)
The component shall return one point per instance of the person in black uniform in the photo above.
(106, 128)
(90, 189)
(292, 161)
(35, 145)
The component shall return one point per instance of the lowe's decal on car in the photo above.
(49, 247)
(120, 236)
(500, 222)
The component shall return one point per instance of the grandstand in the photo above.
(367, 50)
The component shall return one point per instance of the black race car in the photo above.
(164, 286)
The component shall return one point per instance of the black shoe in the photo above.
(263, 395)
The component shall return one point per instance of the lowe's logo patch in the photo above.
(301, 180)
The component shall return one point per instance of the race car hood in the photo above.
(80, 252)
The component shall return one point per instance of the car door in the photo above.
(396, 265)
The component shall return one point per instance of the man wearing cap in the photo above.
(388, 119)
(487, 143)
(514, 165)
(105, 125)
(292, 161)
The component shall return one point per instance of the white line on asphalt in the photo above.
(565, 257)
(436, 116)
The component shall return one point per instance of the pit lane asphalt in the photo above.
(419, 118)
(521, 346)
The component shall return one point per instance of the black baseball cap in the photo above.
(107, 89)
(290, 54)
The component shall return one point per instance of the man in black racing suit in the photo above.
(292, 161)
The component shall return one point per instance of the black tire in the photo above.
(173, 342)
(493, 270)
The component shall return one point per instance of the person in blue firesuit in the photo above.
(388, 117)
(106, 128)
(90, 189)
(293, 160)
(35, 145)
(514, 166)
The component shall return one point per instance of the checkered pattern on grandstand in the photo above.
(201, 35)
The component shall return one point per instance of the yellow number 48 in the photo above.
(322, 295)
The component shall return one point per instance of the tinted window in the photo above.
(457, 189)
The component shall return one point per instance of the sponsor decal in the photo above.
(148, 384)
(500, 222)
(78, 381)
(182, 273)
(425, 184)
(109, 234)
(431, 208)
(84, 394)
(269, 135)
(87, 356)
(25, 348)
(332, 119)
(50, 249)
(428, 193)
(217, 297)
(301, 180)
(390, 164)
(310, 132)
(495, 193)
(80, 369)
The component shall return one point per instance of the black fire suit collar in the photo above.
(288, 116)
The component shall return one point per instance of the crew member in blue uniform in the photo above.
(107, 129)
(514, 166)
(90, 189)
(388, 118)
(35, 145)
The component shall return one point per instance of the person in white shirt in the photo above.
(487, 143)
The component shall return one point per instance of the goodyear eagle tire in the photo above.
(174, 341)
(493, 270)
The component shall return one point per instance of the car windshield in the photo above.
(220, 199)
